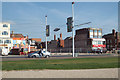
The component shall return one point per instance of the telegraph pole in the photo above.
(46, 33)
(73, 28)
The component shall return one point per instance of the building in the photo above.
(5, 41)
(86, 40)
(112, 40)
(68, 42)
(56, 44)
(35, 43)
(19, 42)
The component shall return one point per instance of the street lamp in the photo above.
(46, 35)
(56, 29)
(73, 27)
(82, 24)
(73, 54)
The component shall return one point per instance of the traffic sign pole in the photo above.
(73, 28)
(46, 33)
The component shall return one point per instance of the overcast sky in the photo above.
(28, 18)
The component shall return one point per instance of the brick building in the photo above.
(56, 43)
(112, 40)
(86, 39)
(68, 42)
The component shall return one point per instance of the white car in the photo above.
(37, 55)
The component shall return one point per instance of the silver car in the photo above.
(37, 54)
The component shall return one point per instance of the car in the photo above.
(36, 54)
(4, 52)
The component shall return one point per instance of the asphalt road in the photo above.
(24, 57)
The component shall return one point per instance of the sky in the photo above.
(28, 18)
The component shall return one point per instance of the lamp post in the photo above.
(46, 35)
(73, 54)
(73, 25)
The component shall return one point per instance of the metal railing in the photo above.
(69, 50)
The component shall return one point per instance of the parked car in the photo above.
(4, 52)
(104, 50)
(37, 54)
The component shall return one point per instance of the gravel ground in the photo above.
(86, 73)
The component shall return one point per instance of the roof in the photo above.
(16, 36)
(89, 28)
(68, 38)
(36, 39)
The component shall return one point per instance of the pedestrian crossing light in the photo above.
(69, 24)
(47, 30)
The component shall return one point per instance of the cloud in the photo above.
(10, 22)
(59, 13)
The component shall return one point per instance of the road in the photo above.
(24, 57)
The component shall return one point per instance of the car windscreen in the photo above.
(36, 51)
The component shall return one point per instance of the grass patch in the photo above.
(74, 63)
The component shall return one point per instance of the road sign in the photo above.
(47, 30)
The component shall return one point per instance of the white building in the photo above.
(5, 41)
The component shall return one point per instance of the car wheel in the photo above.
(34, 56)
(47, 56)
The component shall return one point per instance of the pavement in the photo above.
(85, 73)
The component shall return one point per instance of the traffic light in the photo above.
(69, 24)
(47, 30)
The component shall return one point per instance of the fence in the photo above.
(69, 50)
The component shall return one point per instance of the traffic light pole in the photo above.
(73, 54)
(46, 34)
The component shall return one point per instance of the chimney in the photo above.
(113, 32)
(27, 36)
(54, 37)
(60, 36)
(12, 34)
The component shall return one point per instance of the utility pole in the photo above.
(73, 28)
(46, 33)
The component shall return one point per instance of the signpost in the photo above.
(47, 31)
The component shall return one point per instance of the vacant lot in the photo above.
(74, 63)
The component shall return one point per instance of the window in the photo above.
(1, 41)
(99, 31)
(91, 30)
(5, 25)
(95, 36)
(94, 42)
(104, 42)
(99, 36)
(110, 41)
(5, 33)
(91, 33)
(7, 41)
(99, 42)
(95, 31)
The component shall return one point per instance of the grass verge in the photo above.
(74, 63)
